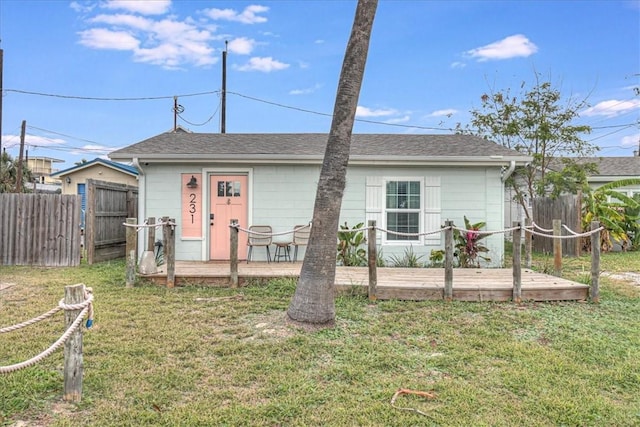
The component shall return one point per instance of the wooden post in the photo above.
(151, 234)
(373, 262)
(448, 261)
(233, 255)
(528, 243)
(595, 263)
(517, 271)
(169, 237)
(132, 237)
(557, 248)
(73, 366)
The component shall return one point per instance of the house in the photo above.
(609, 169)
(74, 179)
(407, 183)
(41, 168)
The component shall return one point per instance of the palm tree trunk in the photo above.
(313, 301)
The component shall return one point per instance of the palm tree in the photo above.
(9, 172)
(313, 301)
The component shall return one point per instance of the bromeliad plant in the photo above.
(350, 252)
(468, 248)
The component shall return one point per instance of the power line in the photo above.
(90, 98)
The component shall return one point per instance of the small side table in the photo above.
(283, 250)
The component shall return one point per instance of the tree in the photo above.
(616, 212)
(538, 123)
(313, 301)
(9, 173)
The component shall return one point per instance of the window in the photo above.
(402, 209)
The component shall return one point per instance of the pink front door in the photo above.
(228, 201)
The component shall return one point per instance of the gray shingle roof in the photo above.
(205, 146)
(611, 166)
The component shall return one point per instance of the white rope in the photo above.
(145, 225)
(76, 323)
(570, 231)
(574, 236)
(506, 230)
(31, 321)
(259, 233)
(545, 230)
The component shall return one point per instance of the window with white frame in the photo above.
(403, 207)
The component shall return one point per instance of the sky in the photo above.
(89, 77)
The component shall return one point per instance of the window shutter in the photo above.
(374, 204)
(432, 209)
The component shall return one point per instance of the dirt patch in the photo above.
(5, 286)
(631, 277)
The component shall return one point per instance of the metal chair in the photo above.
(262, 239)
(300, 238)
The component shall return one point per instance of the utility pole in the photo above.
(223, 109)
(19, 172)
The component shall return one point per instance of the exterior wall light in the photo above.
(193, 182)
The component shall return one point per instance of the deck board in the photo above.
(490, 284)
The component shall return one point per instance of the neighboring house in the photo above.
(74, 179)
(407, 183)
(610, 169)
(42, 167)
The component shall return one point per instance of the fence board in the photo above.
(39, 229)
(566, 208)
(108, 206)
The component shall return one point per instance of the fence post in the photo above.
(373, 261)
(557, 248)
(233, 255)
(73, 366)
(595, 263)
(132, 237)
(448, 261)
(169, 237)
(528, 243)
(151, 234)
(517, 271)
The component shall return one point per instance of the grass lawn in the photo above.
(198, 356)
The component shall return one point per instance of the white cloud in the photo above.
(457, 65)
(241, 45)
(248, 16)
(266, 65)
(100, 38)
(305, 91)
(446, 112)
(368, 112)
(631, 140)
(612, 108)
(166, 42)
(510, 47)
(95, 149)
(146, 7)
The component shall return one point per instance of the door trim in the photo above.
(207, 173)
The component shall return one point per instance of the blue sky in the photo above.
(91, 77)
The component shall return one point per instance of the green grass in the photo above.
(199, 356)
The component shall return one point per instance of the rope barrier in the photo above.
(529, 228)
(87, 310)
(146, 225)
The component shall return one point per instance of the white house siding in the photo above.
(283, 196)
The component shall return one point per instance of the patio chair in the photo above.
(263, 240)
(300, 238)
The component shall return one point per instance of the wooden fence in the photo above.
(108, 206)
(40, 229)
(565, 208)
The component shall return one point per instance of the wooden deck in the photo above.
(393, 283)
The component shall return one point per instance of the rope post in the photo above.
(169, 237)
(595, 263)
(448, 261)
(557, 248)
(73, 367)
(132, 238)
(233, 255)
(528, 243)
(517, 271)
(151, 234)
(373, 261)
